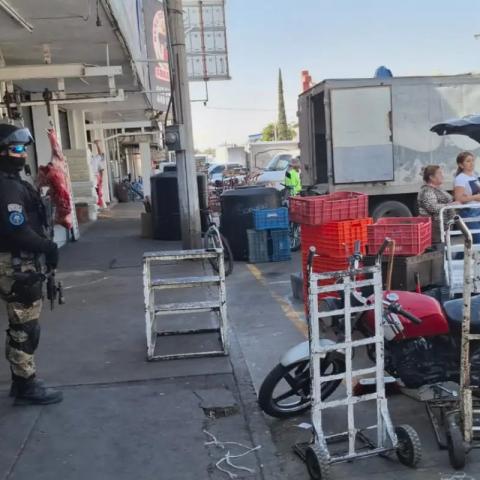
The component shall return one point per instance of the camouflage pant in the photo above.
(23, 332)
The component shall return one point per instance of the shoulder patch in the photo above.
(14, 207)
(16, 218)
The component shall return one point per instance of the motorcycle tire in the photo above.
(301, 384)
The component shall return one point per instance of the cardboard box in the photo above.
(428, 265)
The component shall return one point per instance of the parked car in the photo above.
(274, 173)
(217, 172)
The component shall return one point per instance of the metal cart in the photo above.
(402, 439)
(153, 311)
(458, 413)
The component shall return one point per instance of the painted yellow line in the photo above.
(289, 312)
(287, 309)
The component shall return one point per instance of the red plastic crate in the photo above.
(328, 208)
(412, 235)
(337, 239)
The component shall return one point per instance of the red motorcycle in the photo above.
(422, 346)
(423, 338)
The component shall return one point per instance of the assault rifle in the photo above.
(54, 290)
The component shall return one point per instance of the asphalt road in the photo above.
(267, 321)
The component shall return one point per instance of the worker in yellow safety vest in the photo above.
(292, 177)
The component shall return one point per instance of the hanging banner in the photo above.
(157, 52)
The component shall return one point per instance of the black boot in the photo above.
(33, 392)
(14, 387)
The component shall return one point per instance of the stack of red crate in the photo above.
(334, 243)
(331, 224)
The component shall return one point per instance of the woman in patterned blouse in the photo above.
(431, 199)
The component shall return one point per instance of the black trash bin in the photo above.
(237, 218)
(165, 206)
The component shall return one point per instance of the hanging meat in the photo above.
(55, 176)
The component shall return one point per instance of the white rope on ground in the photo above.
(227, 458)
(456, 476)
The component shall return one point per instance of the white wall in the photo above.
(146, 166)
(230, 154)
(237, 155)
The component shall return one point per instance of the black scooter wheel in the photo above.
(455, 445)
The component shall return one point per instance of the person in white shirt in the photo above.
(98, 166)
(467, 189)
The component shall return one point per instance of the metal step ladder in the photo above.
(454, 244)
(153, 311)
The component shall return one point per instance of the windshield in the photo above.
(216, 169)
(279, 162)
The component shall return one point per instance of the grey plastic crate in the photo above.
(257, 246)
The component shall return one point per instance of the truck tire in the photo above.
(391, 208)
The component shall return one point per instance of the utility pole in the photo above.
(186, 168)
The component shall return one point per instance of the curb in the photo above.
(269, 459)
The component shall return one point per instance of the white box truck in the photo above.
(373, 135)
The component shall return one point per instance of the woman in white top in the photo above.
(467, 189)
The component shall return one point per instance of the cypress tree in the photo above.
(282, 127)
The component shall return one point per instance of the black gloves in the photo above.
(51, 257)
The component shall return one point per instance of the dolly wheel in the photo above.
(317, 462)
(409, 448)
(456, 447)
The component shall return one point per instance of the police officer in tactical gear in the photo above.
(25, 252)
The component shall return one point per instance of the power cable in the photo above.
(240, 109)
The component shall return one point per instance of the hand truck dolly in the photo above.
(448, 409)
(402, 439)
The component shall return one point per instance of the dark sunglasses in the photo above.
(17, 148)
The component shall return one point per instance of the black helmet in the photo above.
(12, 135)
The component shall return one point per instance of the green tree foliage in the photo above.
(270, 133)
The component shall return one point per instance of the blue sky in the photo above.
(331, 39)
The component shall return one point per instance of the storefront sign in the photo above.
(157, 50)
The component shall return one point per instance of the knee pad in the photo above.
(24, 336)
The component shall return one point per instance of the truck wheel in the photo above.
(391, 208)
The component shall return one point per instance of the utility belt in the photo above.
(25, 271)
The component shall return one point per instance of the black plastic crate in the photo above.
(280, 245)
(257, 246)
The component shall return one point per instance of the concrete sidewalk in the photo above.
(122, 417)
